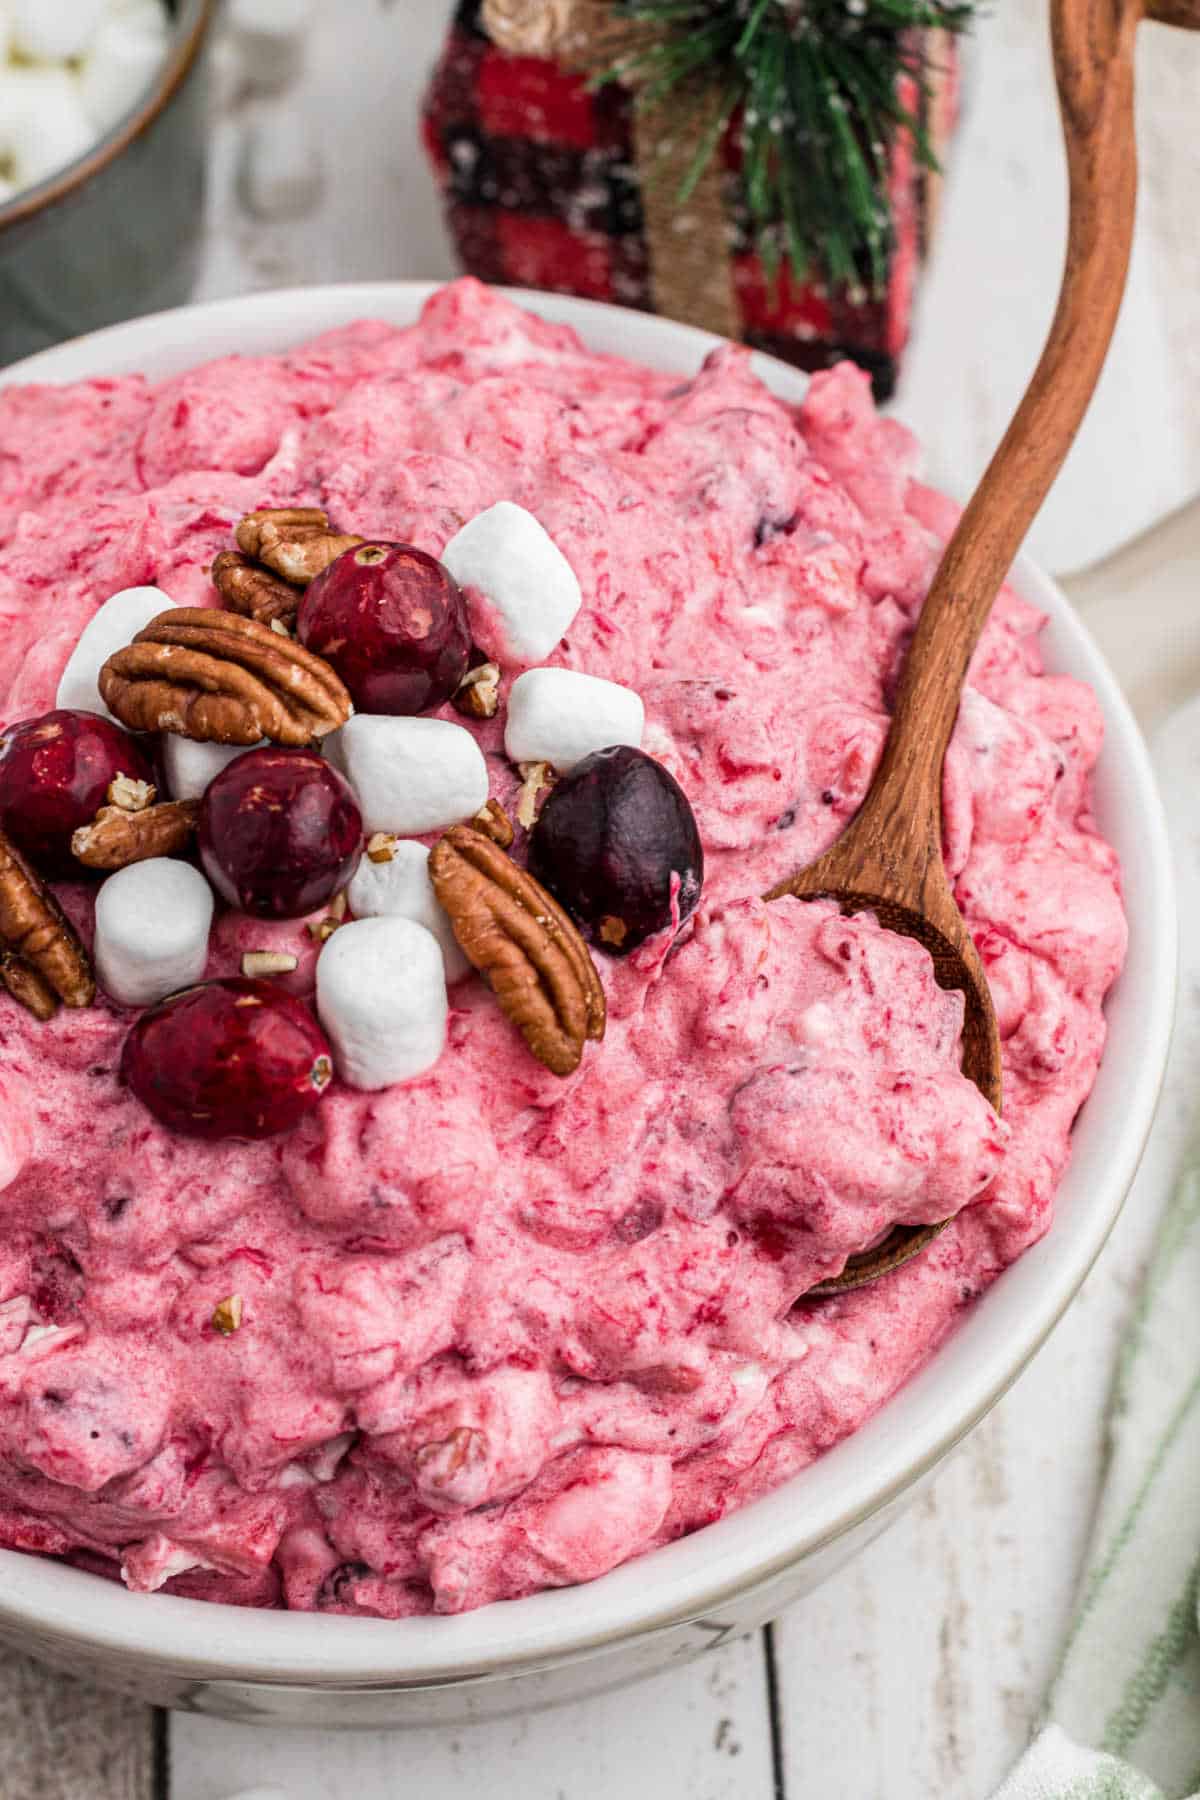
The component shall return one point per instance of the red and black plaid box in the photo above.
(540, 173)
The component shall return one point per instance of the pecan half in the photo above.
(27, 987)
(523, 943)
(295, 541)
(212, 675)
(34, 928)
(253, 591)
(116, 838)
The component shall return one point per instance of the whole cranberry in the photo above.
(280, 833)
(55, 773)
(617, 843)
(393, 623)
(229, 1059)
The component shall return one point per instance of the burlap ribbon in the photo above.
(688, 244)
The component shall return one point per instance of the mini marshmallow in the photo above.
(558, 716)
(43, 125)
(126, 54)
(53, 30)
(381, 996)
(152, 926)
(410, 775)
(522, 593)
(396, 885)
(191, 768)
(116, 624)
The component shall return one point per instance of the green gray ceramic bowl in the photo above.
(117, 232)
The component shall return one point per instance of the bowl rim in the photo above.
(50, 1604)
(186, 41)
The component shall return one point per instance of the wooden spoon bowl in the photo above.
(889, 860)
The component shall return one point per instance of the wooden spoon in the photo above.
(889, 860)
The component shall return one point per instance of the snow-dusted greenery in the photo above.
(811, 86)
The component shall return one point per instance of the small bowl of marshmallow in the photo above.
(102, 125)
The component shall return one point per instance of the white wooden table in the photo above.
(918, 1670)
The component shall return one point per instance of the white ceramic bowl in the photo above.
(723, 1580)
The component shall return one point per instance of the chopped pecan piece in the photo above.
(478, 695)
(523, 943)
(253, 591)
(34, 928)
(494, 823)
(295, 541)
(131, 796)
(223, 679)
(115, 838)
(381, 847)
(27, 987)
(535, 777)
(228, 1314)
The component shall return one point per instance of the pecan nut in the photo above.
(116, 838)
(217, 677)
(478, 693)
(253, 591)
(523, 944)
(494, 823)
(295, 541)
(34, 928)
(27, 987)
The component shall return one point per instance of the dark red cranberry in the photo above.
(280, 833)
(393, 623)
(230, 1059)
(55, 773)
(617, 843)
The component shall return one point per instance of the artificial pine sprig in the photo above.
(813, 84)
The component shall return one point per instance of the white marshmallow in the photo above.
(54, 30)
(8, 190)
(401, 889)
(152, 925)
(191, 768)
(559, 716)
(43, 125)
(381, 996)
(116, 624)
(523, 593)
(125, 56)
(410, 775)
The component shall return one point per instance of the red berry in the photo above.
(280, 833)
(55, 773)
(393, 623)
(235, 1058)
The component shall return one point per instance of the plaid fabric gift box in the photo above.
(543, 174)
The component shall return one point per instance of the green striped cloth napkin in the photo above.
(1129, 1684)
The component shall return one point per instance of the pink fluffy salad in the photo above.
(500, 1331)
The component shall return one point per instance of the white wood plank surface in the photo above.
(700, 1733)
(916, 1671)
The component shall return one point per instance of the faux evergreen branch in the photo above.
(812, 85)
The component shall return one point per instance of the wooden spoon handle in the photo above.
(1093, 55)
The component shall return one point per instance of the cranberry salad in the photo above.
(418, 1138)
